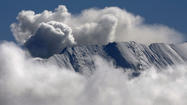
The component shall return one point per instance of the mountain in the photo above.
(123, 54)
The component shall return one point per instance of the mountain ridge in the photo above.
(126, 55)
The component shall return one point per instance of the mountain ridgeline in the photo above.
(127, 55)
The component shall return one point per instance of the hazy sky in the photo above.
(168, 12)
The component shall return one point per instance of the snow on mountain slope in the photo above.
(123, 54)
(166, 55)
(181, 49)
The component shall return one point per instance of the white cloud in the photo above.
(96, 26)
(23, 81)
(50, 38)
(29, 21)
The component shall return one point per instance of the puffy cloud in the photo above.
(24, 81)
(119, 25)
(29, 22)
(95, 26)
(100, 32)
(50, 38)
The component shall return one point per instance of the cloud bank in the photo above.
(91, 26)
(24, 81)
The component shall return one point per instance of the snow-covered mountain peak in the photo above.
(123, 54)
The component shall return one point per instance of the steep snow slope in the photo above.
(123, 54)
(181, 49)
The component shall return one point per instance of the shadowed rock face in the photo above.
(123, 54)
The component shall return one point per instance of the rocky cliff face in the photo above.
(123, 54)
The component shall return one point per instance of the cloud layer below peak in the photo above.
(24, 81)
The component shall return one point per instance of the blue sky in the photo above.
(168, 12)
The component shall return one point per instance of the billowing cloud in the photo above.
(29, 22)
(50, 38)
(115, 24)
(24, 81)
(94, 26)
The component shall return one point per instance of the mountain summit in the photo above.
(126, 55)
